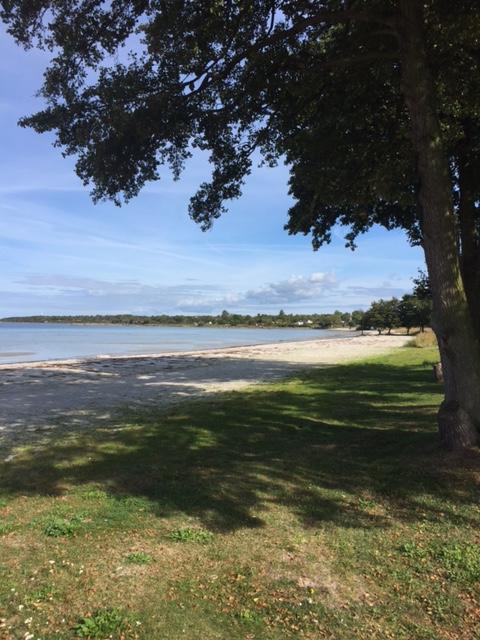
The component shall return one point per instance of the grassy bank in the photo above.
(319, 507)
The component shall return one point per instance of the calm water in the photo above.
(28, 342)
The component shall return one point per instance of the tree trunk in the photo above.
(437, 372)
(459, 414)
(468, 174)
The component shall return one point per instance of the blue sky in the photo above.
(62, 254)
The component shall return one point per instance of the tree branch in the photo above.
(323, 17)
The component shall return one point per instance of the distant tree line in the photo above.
(337, 319)
(412, 310)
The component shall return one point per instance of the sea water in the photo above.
(26, 342)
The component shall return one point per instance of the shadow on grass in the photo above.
(353, 444)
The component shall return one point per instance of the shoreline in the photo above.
(101, 357)
(88, 393)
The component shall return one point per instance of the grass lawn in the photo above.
(318, 507)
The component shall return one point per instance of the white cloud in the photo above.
(190, 296)
(294, 289)
(284, 292)
(317, 292)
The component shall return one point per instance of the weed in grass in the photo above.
(106, 623)
(185, 586)
(42, 594)
(5, 528)
(413, 630)
(412, 550)
(366, 504)
(57, 527)
(138, 557)
(136, 503)
(191, 535)
(94, 494)
(461, 562)
(442, 606)
(250, 617)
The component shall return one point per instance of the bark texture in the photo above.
(437, 372)
(469, 175)
(459, 415)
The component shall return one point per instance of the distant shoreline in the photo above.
(281, 320)
(174, 326)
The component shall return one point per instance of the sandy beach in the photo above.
(74, 394)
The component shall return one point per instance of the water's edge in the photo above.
(34, 343)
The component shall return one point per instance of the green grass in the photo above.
(107, 623)
(187, 534)
(138, 557)
(318, 507)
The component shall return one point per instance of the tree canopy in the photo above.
(136, 84)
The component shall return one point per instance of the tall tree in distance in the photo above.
(374, 104)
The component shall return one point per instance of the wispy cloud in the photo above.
(283, 292)
(318, 291)
(64, 285)
(315, 292)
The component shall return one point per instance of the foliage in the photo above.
(414, 311)
(422, 288)
(461, 562)
(383, 314)
(282, 319)
(187, 534)
(408, 312)
(56, 527)
(139, 557)
(200, 75)
(101, 625)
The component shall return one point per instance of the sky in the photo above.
(61, 254)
